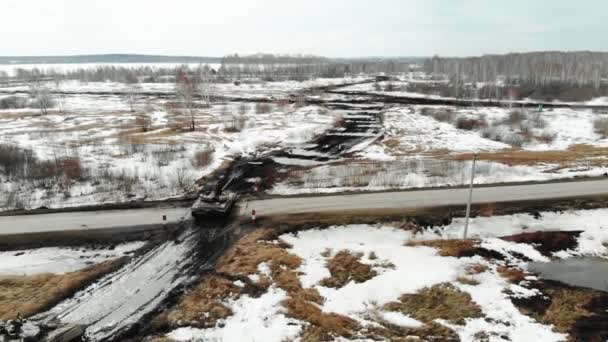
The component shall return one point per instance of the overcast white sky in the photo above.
(334, 28)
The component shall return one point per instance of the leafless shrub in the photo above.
(263, 108)
(537, 120)
(203, 158)
(13, 102)
(14, 160)
(300, 101)
(514, 140)
(546, 137)
(165, 155)
(41, 97)
(184, 179)
(492, 133)
(143, 122)
(515, 117)
(389, 87)
(439, 114)
(243, 108)
(600, 125)
(470, 124)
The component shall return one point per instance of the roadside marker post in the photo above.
(466, 220)
(253, 216)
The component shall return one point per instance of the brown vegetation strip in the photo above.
(564, 158)
(202, 307)
(452, 248)
(30, 295)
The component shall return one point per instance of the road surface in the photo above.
(106, 219)
(422, 198)
(150, 217)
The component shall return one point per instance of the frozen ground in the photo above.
(59, 260)
(415, 267)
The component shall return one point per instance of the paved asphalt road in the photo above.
(423, 198)
(90, 220)
(137, 218)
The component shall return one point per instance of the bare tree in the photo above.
(186, 87)
(41, 97)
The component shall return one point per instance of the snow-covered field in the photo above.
(254, 90)
(420, 151)
(59, 260)
(413, 267)
(122, 162)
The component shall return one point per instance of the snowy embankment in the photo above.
(57, 260)
(116, 302)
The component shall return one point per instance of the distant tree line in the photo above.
(537, 68)
(233, 68)
(572, 76)
(300, 68)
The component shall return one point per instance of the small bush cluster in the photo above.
(13, 102)
(203, 158)
(263, 108)
(600, 125)
(470, 124)
(439, 114)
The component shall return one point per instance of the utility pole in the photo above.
(466, 220)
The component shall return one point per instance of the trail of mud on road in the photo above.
(113, 305)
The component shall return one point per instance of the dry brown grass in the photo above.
(429, 332)
(513, 275)
(487, 210)
(326, 324)
(565, 158)
(442, 301)
(30, 295)
(448, 248)
(253, 249)
(345, 267)
(567, 306)
(476, 269)
(468, 280)
(201, 307)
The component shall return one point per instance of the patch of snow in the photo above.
(58, 260)
(397, 318)
(387, 243)
(254, 319)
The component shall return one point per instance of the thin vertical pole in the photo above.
(466, 220)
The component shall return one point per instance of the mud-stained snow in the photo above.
(121, 299)
(58, 260)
